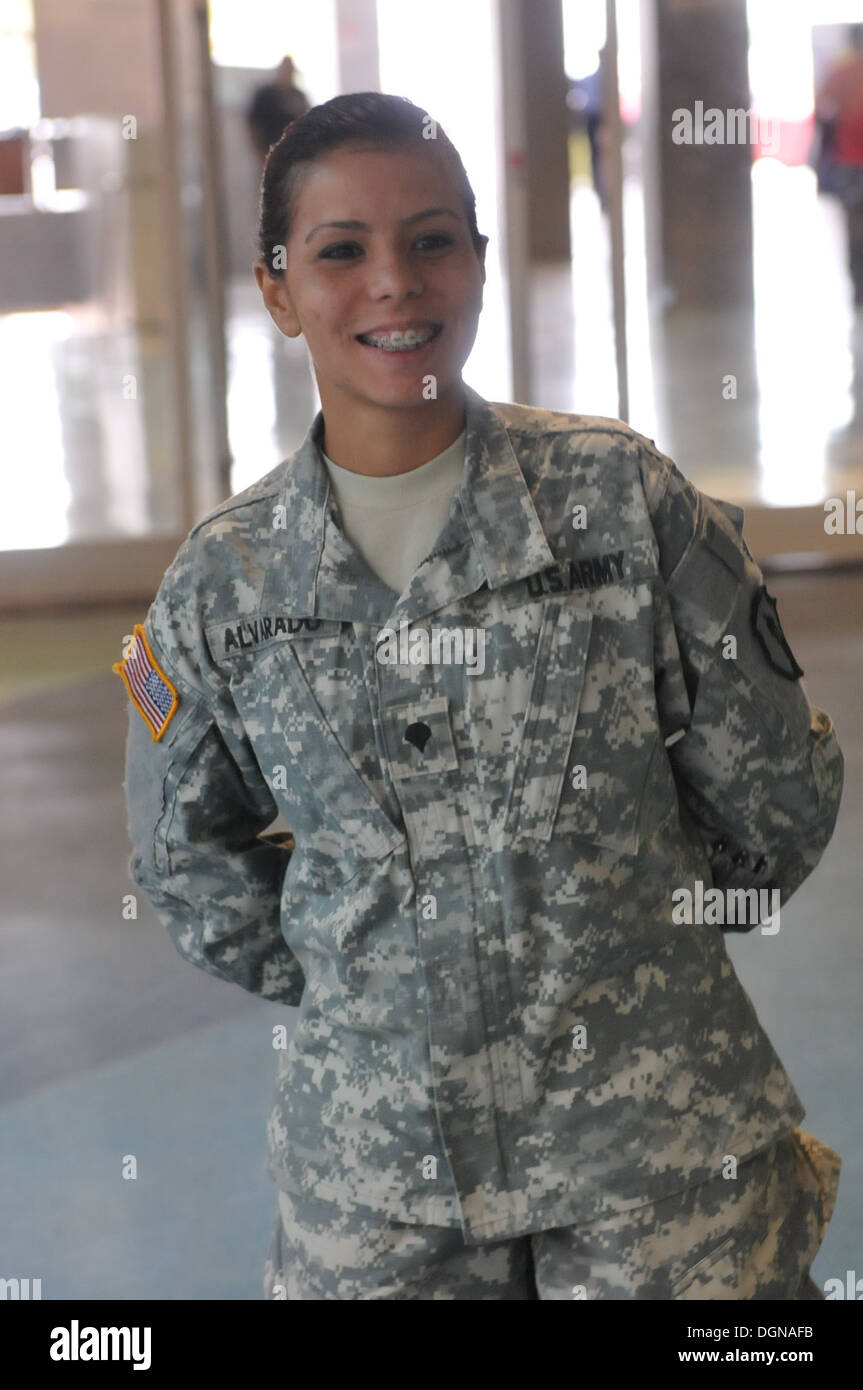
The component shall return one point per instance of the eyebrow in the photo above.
(355, 226)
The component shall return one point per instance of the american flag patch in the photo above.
(152, 694)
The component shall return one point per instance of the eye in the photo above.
(341, 250)
(439, 237)
(328, 254)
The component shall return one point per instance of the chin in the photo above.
(405, 394)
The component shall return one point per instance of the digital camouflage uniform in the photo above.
(753, 1238)
(502, 1030)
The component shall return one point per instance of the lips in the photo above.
(407, 338)
(380, 329)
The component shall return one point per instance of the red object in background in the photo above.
(849, 142)
(841, 100)
(12, 152)
(788, 141)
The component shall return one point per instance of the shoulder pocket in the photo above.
(153, 774)
(705, 586)
(717, 594)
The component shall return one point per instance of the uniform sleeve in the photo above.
(758, 769)
(197, 804)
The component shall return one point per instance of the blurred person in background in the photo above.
(839, 113)
(584, 101)
(273, 107)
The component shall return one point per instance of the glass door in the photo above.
(111, 346)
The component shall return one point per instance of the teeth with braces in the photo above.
(398, 341)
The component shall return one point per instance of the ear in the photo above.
(274, 291)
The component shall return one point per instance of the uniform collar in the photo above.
(492, 536)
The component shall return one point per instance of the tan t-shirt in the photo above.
(394, 522)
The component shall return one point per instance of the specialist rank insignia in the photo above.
(152, 694)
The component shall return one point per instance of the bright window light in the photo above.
(35, 503)
(19, 87)
(781, 90)
(260, 33)
(583, 36)
(456, 84)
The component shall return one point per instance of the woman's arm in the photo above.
(197, 804)
(759, 770)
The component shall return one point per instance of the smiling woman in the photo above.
(390, 312)
(513, 1065)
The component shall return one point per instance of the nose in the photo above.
(392, 274)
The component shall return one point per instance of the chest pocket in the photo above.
(590, 732)
(338, 825)
(419, 739)
(549, 722)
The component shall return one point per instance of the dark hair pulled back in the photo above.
(375, 119)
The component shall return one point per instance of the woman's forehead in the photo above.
(349, 178)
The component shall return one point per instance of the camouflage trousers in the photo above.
(751, 1237)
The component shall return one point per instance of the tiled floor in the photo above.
(111, 1046)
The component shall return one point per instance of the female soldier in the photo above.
(518, 690)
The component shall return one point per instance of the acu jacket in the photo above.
(504, 1025)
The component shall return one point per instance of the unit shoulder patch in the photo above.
(150, 690)
(768, 630)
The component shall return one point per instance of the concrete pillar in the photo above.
(546, 129)
(705, 200)
(514, 208)
(698, 225)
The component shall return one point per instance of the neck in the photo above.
(382, 442)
